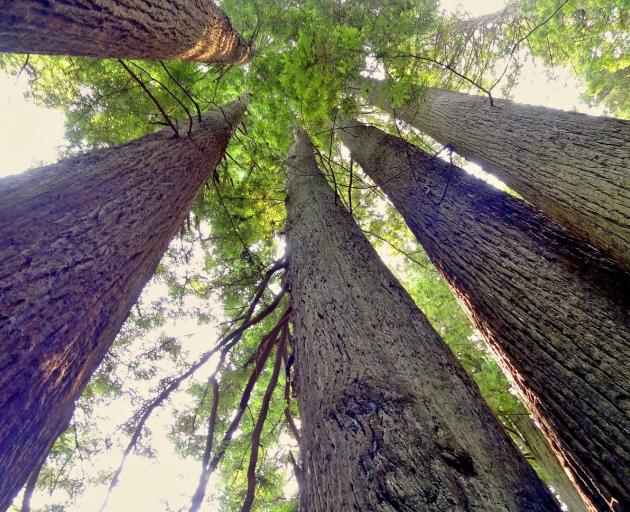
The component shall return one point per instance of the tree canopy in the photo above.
(308, 58)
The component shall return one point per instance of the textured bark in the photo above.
(132, 29)
(553, 308)
(545, 458)
(572, 166)
(78, 241)
(390, 420)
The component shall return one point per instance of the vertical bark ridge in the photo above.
(134, 29)
(572, 166)
(390, 419)
(78, 241)
(553, 308)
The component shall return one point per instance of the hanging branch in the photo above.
(260, 422)
(524, 38)
(446, 66)
(225, 343)
(23, 67)
(30, 488)
(288, 361)
(299, 473)
(265, 349)
(404, 253)
(171, 94)
(153, 99)
(186, 92)
(351, 174)
(212, 422)
(250, 256)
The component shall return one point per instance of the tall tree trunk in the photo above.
(548, 462)
(572, 166)
(390, 419)
(133, 29)
(554, 310)
(78, 241)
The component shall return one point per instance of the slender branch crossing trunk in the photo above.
(548, 462)
(78, 241)
(134, 29)
(572, 166)
(553, 309)
(390, 419)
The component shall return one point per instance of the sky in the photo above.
(31, 135)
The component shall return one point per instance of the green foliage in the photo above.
(309, 55)
(591, 37)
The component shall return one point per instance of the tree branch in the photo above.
(260, 422)
(153, 99)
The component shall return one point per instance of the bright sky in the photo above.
(472, 7)
(31, 135)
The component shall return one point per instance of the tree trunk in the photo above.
(133, 29)
(390, 419)
(548, 462)
(553, 309)
(572, 166)
(78, 241)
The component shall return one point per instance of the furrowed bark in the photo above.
(78, 241)
(390, 420)
(553, 308)
(133, 29)
(541, 452)
(572, 166)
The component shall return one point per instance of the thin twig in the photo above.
(398, 249)
(226, 343)
(153, 99)
(525, 37)
(171, 94)
(186, 92)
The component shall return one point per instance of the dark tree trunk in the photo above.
(572, 166)
(554, 310)
(78, 241)
(133, 29)
(545, 458)
(390, 419)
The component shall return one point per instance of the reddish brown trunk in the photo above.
(390, 419)
(554, 310)
(78, 241)
(572, 166)
(134, 29)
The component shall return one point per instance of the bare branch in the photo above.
(186, 92)
(398, 249)
(171, 94)
(153, 99)
(524, 38)
(260, 422)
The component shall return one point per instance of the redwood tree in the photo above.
(572, 166)
(553, 308)
(390, 420)
(78, 241)
(134, 29)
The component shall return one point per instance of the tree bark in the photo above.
(572, 166)
(390, 419)
(132, 29)
(553, 308)
(78, 241)
(548, 462)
